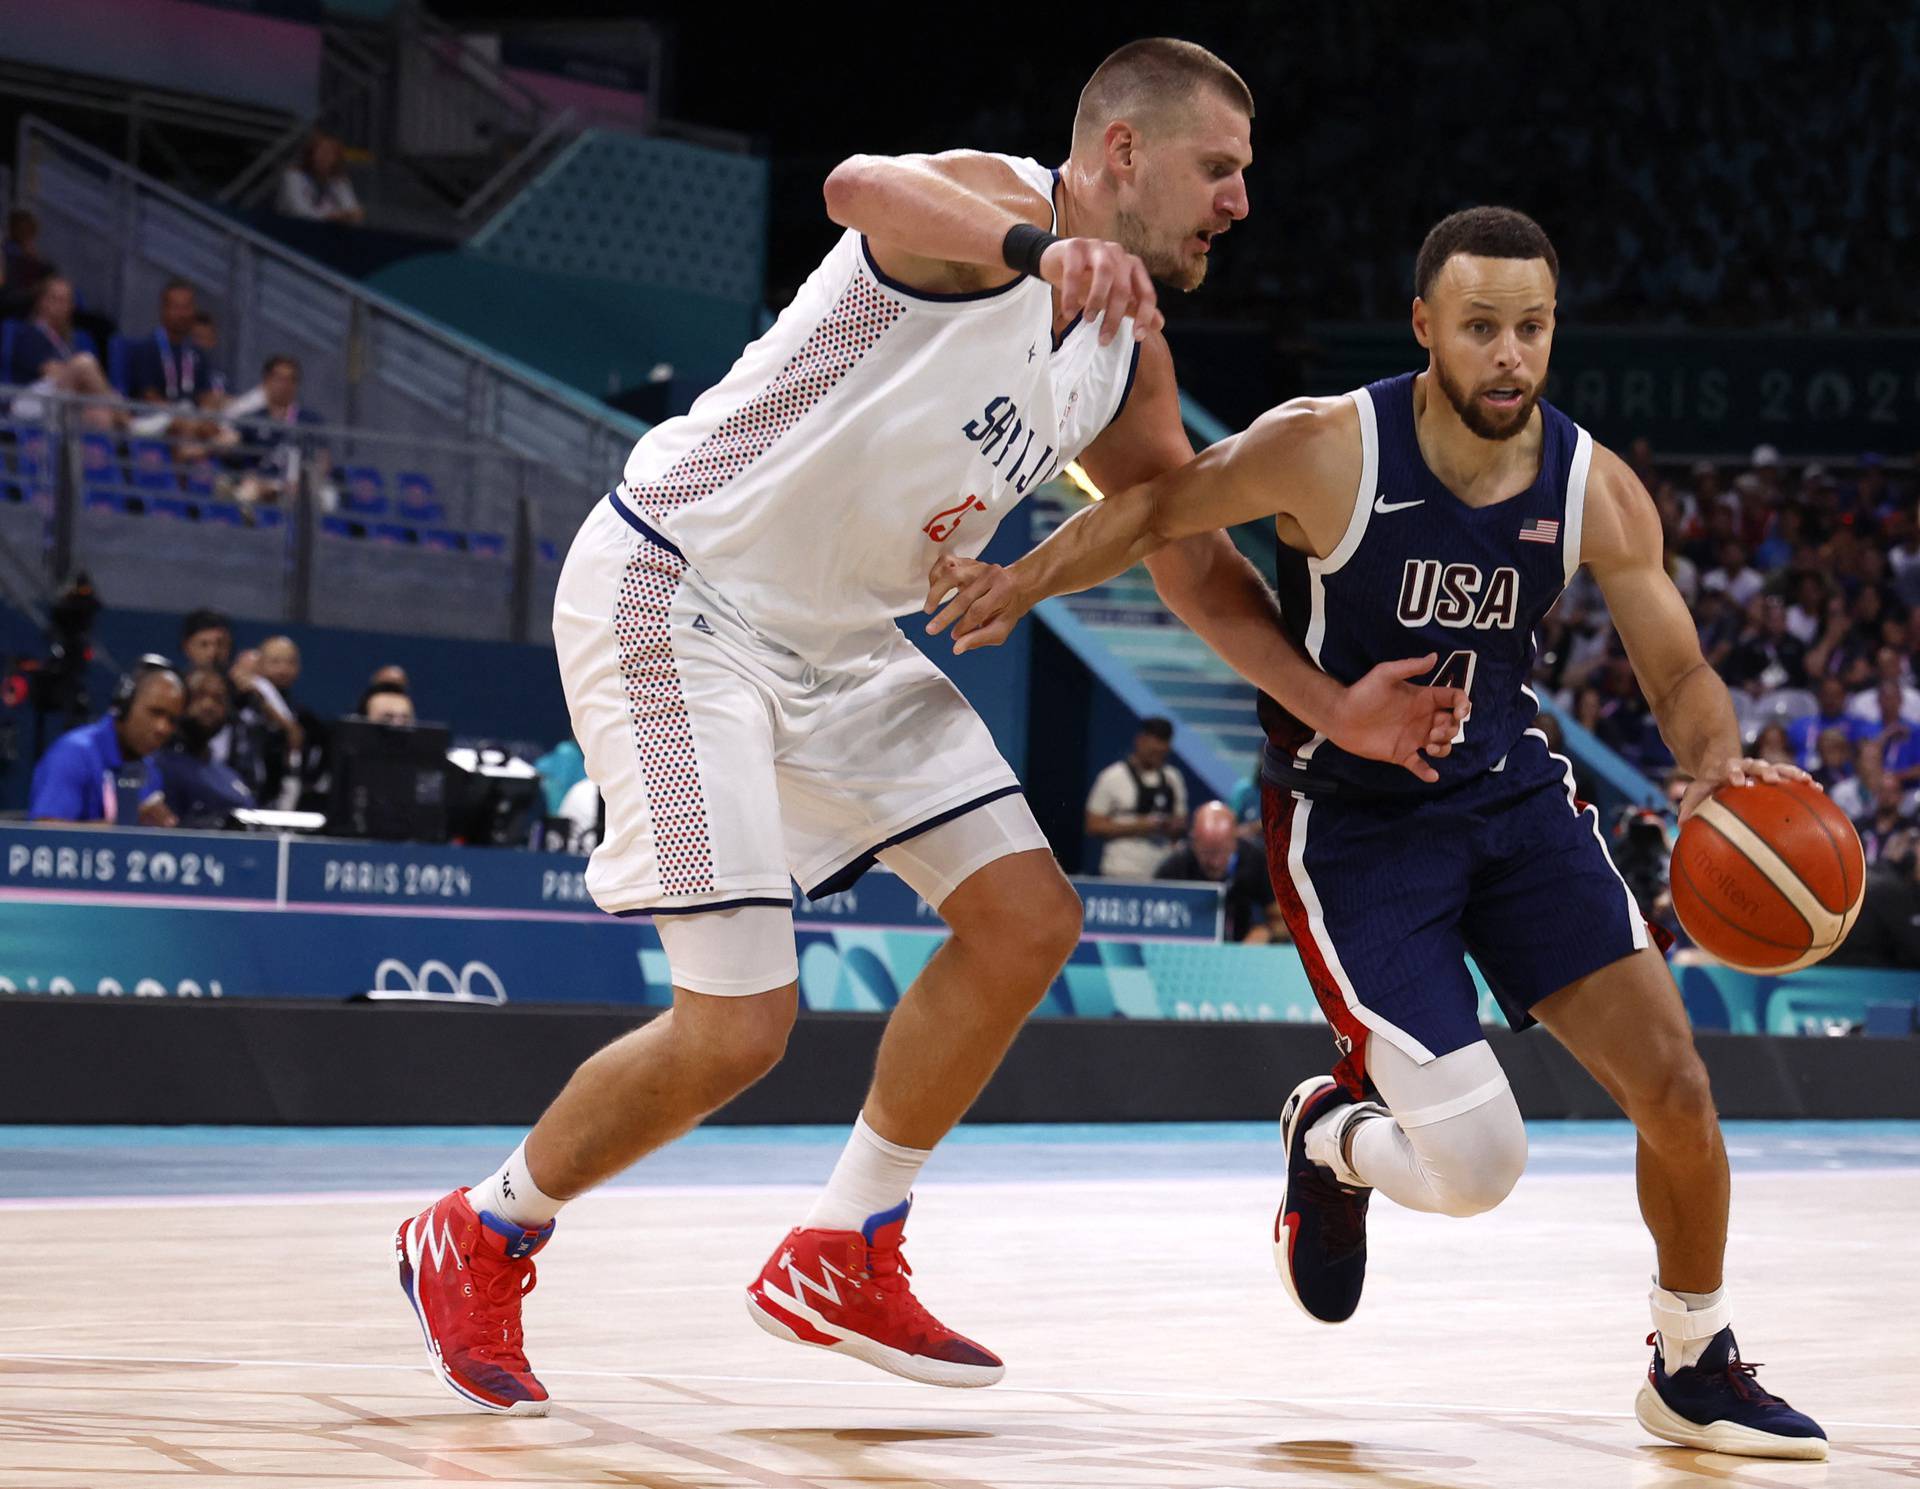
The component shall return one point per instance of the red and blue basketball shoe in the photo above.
(1717, 1404)
(847, 1291)
(1320, 1234)
(465, 1274)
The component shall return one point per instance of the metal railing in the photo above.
(168, 508)
(368, 362)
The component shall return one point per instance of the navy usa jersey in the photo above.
(1419, 570)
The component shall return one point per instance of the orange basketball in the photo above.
(1768, 877)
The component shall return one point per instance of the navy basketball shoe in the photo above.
(1718, 1405)
(1320, 1234)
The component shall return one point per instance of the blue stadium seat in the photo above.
(224, 513)
(342, 527)
(117, 363)
(417, 500)
(363, 491)
(177, 507)
(393, 532)
(487, 545)
(443, 540)
(269, 517)
(549, 553)
(152, 465)
(198, 478)
(100, 472)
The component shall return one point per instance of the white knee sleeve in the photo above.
(730, 953)
(1455, 1143)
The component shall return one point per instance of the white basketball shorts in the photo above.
(729, 766)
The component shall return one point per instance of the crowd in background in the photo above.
(168, 382)
(1713, 163)
(191, 740)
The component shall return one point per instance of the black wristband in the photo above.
(1023, 245)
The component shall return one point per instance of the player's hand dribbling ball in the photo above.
(1768, 876)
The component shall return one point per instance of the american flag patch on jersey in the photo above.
(1541, 530)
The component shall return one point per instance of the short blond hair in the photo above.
(1146, 81)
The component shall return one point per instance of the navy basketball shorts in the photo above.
(1387, 897)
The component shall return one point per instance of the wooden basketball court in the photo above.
(260, 1339)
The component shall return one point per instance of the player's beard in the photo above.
(1171, 267)
(1468, 407)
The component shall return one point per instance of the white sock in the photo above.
(872, 1176)
(510, 1193)
(1685, 1335)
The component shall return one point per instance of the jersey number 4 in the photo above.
(1456, 672)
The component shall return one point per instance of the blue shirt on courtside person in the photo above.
(84, 778)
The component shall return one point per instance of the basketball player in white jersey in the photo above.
(752, 715)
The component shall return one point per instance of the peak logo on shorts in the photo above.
(1459, 596)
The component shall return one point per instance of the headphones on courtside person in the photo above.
(129, 684)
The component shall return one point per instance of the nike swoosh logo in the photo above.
(1382, 505)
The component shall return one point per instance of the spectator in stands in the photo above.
(1138, 806)
(206, 640)
(1900, 754)
(1892, 811)
(386, 703)
(206, 341)
(25, 268)
(308, 766)
(1773, 746)
(1806, 616)
(394, 673)
(1216, 853)
(1769, 656)
(166, 367)
(1887, 933)
(1838, 771)
(268, 722)
(104, 771)
(1614, 710)
(200, 790)
(1804, 734)
(1892, 697)
(317, 188)
(1719, 622)
(269, 418)
(1733, 574)
(49, 344)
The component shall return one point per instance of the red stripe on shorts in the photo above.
(1277, 810)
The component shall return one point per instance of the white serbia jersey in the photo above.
(872, 429)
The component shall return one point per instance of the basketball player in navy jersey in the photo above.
(1444, 512)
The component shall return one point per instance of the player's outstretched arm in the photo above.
(1621, 543)
(1175, 521)
(938, 223)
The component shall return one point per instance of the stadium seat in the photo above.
(342, 527)
(1788, 705)
(549, 553)
(417, 502)
(100, 471)
(152, 465)
(443, 540)
(117, 363)
(363, 491)
(487, 545)
(393, 532)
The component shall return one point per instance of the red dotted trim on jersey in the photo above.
(858, 319)
(662, 734)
